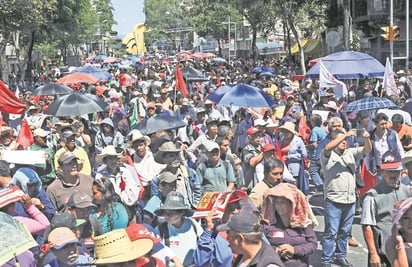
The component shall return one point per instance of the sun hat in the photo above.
(66, 157)
(260, 122)
(252, 131)
(174, 201)
(150, 105)
(407, 157)
(211, 145)
(332, 105)
(399, 209)
(136, 135)
(288, 126)
(61, 236)
(106, 152)
(80, 200)
(117, 246)
(391, 161)
(9, 195)
(167, 177)
(137, 231)
(40, 132)
(166, 147)
(244, 222)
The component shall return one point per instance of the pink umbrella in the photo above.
(110, 60)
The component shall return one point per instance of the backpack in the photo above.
(164, 232)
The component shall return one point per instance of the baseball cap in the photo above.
(268, 147)
(212, 120)
(168, 177)
(66, 157)
(80, 200)
(260, 122)
(60, 237)
(139, 231)
(391, 161)
(252, 131)
(244, 222)
(211, 145)
(67, 134)
(40, 132)
(66, 220)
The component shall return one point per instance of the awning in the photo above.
(310, 46)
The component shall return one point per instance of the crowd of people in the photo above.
(109, 193)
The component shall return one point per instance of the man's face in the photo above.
(396, 126)
(172, 159)
(275, 175)
(67, 254)
(255, 139)
(140, 148)
(233, 238)
(213, 156)
(70, 142)
(391, 178)
(224, 147)
(382, 125)
(212, 127)
(71, 168)
(111, 161)
(166, 188)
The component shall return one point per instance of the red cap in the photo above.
(268, 147)
(252, 131)
(139, 231)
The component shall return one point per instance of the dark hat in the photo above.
(80, 200)
(391, 161)
(66, 220)
(66, 157)
(244, 222)
(175, 201)
(167, 177)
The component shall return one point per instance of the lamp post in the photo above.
(228, 35)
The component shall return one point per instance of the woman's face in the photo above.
(283, 206)
(172, 216)
(97, 195)
(406, 222)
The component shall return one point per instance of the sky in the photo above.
(127, 13)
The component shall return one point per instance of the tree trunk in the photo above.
(301, 52)
(29, 67)
(346, 24)
(254, 49)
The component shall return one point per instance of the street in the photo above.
(358, 256)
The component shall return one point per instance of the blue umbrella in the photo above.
(100, 57)
(260, 69)
(98, 73)
(241, 95)
(369, 103)
(349, 65)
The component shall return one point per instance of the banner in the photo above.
(389, 83)
(326, 79)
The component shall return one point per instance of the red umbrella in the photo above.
(77, 77)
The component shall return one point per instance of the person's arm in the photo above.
(195, 186)
(255, 160)
(310, 245)
(335, 142)
(38, 221)
(370, 242)
(395, 250)
(367, 146)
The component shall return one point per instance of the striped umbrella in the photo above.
(369, 103)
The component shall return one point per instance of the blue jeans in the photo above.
(314, 171)
(338, 225)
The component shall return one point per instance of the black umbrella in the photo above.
(74, 104)
(52, 89)
(104, 105)
(193, 75)
(159, 123)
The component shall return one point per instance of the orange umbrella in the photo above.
(77, 77)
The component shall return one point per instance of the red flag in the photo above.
(25, 137)
(180, 82)
(304, 130)
(9, 103)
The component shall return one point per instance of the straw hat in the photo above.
(116, 247)
(288, 126)
(107, 151)
(332, 105)
(167, 147)
(136, 135)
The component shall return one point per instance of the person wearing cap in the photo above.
(70, 180)
(79, 152)
(377, 208)
(151, 110)
(215, 174)
(261, 125)
(397, 246)
(188, 184)
(108, 135)
(211, 134)
(125, 181)
(47, 170)
(179, 231)
(7, 140)
(252, 155)
(81, 206)
(338, 164)
(62, 249)
(287, 225)
(211, 111)
(245, 240)
(186, 111)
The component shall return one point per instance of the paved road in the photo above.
(358, 256)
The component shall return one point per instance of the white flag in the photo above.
(326, 79)
(389, 83)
